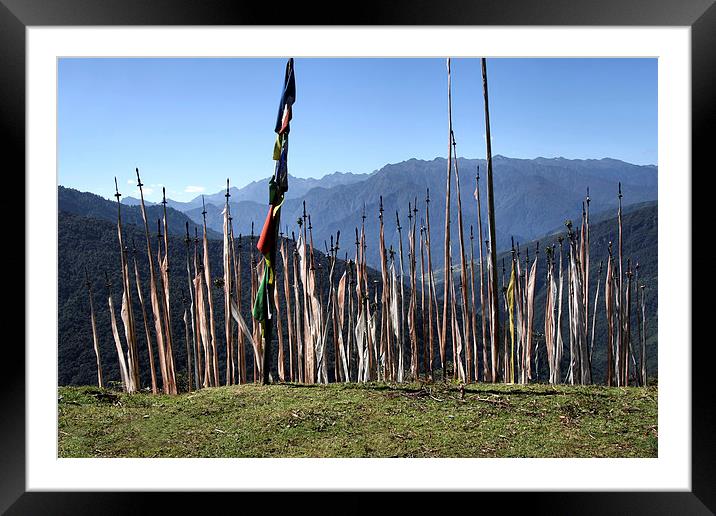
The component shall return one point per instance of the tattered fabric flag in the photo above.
(530, 317)
(549, 317)
(511, 307)
(395, 319)
(609, 309)
(95, 340)
(126, 380)
(154, 298)
(203, 326)
(226, 262)
(341, 297)
(131, 365)
(278, 185)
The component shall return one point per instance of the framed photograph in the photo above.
(48, 49)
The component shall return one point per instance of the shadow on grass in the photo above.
(442, 387)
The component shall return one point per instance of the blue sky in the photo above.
(191, 123)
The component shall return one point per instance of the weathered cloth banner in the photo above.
(278, 185)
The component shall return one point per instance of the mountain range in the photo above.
(90, 205)
(257, 190)
(532, 197)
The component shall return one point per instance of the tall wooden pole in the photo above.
(201, 342)
(228, 335)
(423, 315)
(415, 352)
(473, 312)
(236, 265)
(146, 321)
(447, 275)
(466, 319)
(187, 340)
(192, 308)
(431, 287)
(289, 315)
(385, 343)
(299, 374)
(401, 323)
(495, 320)
(210, 298)
(642, 337)
(127, 311)
(485, 364)
(127, 384)
(165, 280)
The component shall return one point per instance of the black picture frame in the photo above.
(700, 15)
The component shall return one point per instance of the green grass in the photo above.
(354, 420)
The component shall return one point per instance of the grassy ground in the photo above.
(374, 420)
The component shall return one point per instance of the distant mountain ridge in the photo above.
(532, 197)
(257, 190)
(87, 204)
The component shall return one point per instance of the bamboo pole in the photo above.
(95, 340)
(123, 371)
(300, 343)
(243, 378)
(529, 298)
(199, 343)
(236, 267)
(385, 341)
(412, 306)
(192, 349)
(360, 334)
(609, 310)
(495, 320)
(228, 334)
(281, 358)
(153, 373)
(127, 312)
(549, 313)
(423, 316)
(627, 322)
(351, 324)
(254, 287)
(401, 325)
(317, 309)
(186, 336)
(644, 376)
(594, 312)
(559, 342)
(466, 320)
(447, 266)
(621, 349)
(334, 308)
(507, 378)
(167, 307)
(309, 361)
(486, 371)
(289, 317)
(210, 299)
(431, 287)
(473, 311)
(586, 275)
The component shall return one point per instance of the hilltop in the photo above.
(361, 420)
